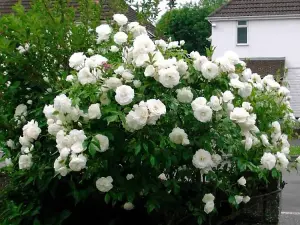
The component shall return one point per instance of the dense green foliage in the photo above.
(189, 24)
(54, 35)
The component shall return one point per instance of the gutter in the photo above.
(263, 17)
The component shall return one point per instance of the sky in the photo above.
(163, 5)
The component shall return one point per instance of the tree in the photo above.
(189, 24)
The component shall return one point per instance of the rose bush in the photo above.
(142, 122)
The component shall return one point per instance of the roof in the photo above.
(265, 66)
(239, 8)
(107, 11)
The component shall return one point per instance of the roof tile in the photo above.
(258, 8)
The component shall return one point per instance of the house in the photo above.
(107, 8)
(266, 33)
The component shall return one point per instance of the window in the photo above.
(242, 33)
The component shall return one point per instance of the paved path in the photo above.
(291, 199)
(295, 142)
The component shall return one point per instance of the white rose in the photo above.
(121, 19)
(136, 29)
(247, 106)
(161, 43)
(64, 153)
(114, 48)
(104, 99)
(169, 78)
(95, 61)
(86, 77)
(94, 111)
(77, 147)
(61, 103)
(129, 176)
(120, 38)
(238, 199)
(24, 141)
(103, 141)
(104, 184)
(246, 75)
(182, 67)
(209, 70)
(268, 161)
(178, 136)
(127, 75)
(70, 78)
(25, 161)
(232, 56)
(276, 127)
(245, 91)
(227, 96)
(156, 107)
(208, 198)
(264, 139)
(215, 103)
(199, 61)
(282, 161)
(76, 61)
(137, 118)
(203, 113)
(194, 55)
(236, 83)
(198, 102)
(8, 162)
(11, 144)
(246, 199)
(54, 128)
(113, 83)
(48, 111)
(137, 83)
(128, 206)
(202, 159)
(124, 95)
(242, 181)
(217, 159)
(59, 167)
(77, 163)
(21, 110)
(239, 115)
(185, 95)
(162, 177)
(209, 207)
(103, 32)
(120, 70)
(225, 65)
(149, 71)
(90, 51)
(31, 130)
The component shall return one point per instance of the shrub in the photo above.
(140, 124)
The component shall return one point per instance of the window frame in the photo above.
(237, 32)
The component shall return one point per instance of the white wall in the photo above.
(266, 38)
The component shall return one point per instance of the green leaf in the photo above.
(274, 173)
(137, 149)
(112, 118)
(150, 208)
(199, 220)
(36, 222)
(93, 149)
(152, 160)
(231, 200)
(145, 147)
(107, 198)
(241, 165)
